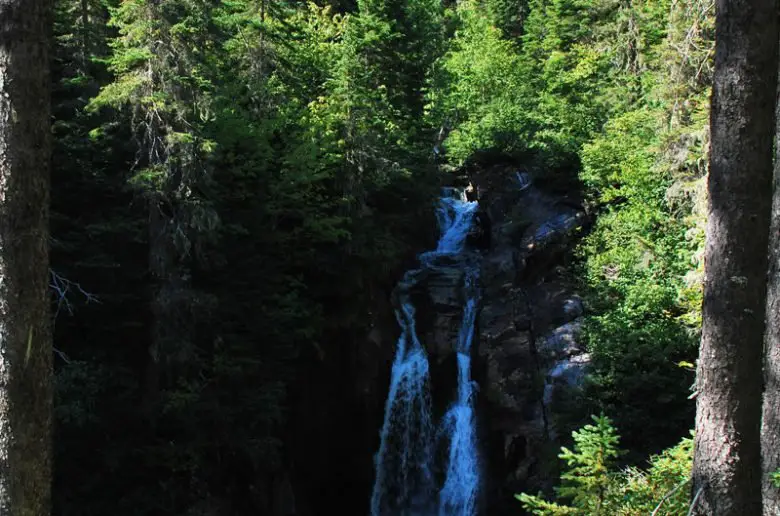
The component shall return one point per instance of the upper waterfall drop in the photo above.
(405, 482)
(458, 215)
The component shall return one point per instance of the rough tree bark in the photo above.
(727, 459)
(25, 342)
(770, 425)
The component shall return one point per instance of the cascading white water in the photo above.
(455, 218)
(404, 478)
(458, 497)
(404, 483)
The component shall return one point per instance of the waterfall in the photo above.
(404, 482)
(404, 476)
(458, 497)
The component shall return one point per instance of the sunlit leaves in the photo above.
(593, 485)
(481, 93)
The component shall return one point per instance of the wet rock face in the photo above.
(481, 232)
(529, 329)
(445, 287)
(570, 371)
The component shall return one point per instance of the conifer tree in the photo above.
(388, 49)
(588, 474)
(160, 63)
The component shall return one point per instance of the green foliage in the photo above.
(159, 61)
(585, 479)
(508, 15)
(591, 485)
(387, 50)
(634, 260)
(664, 484)
(568, 68)
(776, 478)
(546, 93)
(482, 96)
(256, 170)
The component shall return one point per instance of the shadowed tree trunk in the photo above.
(25, 342)
(770, 426)
(727, 469)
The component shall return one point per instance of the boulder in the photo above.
(561, 343)
(573, 308)
(568, 372)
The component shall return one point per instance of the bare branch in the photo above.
(695, 499)
(62, 287)
(669, 495)
(62, 355)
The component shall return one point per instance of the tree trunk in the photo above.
(162, 267)
(85, 53)
(727, 469)
(25, 341)
(171, 305)
(770, 426)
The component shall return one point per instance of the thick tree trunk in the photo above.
(726, 471)
(770, 426)
(25, 342)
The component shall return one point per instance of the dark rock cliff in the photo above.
(528, 328)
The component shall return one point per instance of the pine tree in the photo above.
(481, 99)
(388, 49)
(587, 478)
(160, 62)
